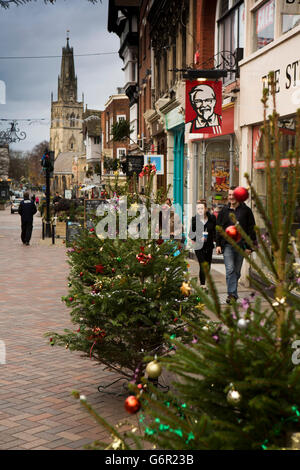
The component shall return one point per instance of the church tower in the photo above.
(66, 113)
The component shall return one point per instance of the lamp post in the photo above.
(47, 164)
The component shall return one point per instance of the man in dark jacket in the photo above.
(232, 259)
(27, 209)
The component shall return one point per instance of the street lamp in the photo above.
(12, 134)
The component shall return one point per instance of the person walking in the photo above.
(55, 201)
(232, 259)
(203, 234)
(27, 209)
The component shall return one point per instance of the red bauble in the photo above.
(233, 233)
(99, 268)
(71, 299)
(132, 404)
(241, 194)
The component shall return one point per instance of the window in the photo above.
(231, 31)
(111, 122)
(121, 117)
(289, 22)
(97, 140)
(121, 154)
(174, 60)
(264, 25)
(72, 120)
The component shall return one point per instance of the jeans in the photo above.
(203, 257)
(233, 264)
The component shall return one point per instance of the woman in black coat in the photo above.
(203, 233)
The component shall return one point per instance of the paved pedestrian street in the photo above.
(37, 410)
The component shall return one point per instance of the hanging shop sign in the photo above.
(134, 164)
(157, 160)
(203, 107)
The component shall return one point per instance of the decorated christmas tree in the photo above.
(127, 294)
(237, 387)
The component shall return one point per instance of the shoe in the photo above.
(27, 243)
(231, 298)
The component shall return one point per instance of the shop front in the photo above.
(216, 163)
(176, 155)
(281, 56)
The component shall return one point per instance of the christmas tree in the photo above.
(126, 294)
(238, 386)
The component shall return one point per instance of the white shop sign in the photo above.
(284, 61)
(290, 7)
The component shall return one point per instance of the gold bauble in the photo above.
(153, 369)
(185, 289)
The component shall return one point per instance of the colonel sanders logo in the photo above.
(203, 107)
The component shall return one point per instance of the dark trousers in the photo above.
(26, 232)
(203, 257)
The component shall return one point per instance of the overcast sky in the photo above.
(37, 29)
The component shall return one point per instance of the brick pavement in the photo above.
(37, 410)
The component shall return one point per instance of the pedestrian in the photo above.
(27, 209)
(37, 200)
(55, 201)
(33, 198)
(203, 234)
(233, 260)
(170, 222)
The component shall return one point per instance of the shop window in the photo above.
(264, 18)
(287, 142)
(231, 31)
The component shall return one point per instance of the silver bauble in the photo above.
(242, 324)
(234, 397)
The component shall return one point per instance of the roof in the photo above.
(63, 162)
(92, 122)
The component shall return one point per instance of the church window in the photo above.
(72, 120)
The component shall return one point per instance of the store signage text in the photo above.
(292, 75)
(291, 7)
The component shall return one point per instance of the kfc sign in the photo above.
(203, 107)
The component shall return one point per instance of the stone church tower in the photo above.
(66, 113)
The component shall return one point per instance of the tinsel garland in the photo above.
(278, 427)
